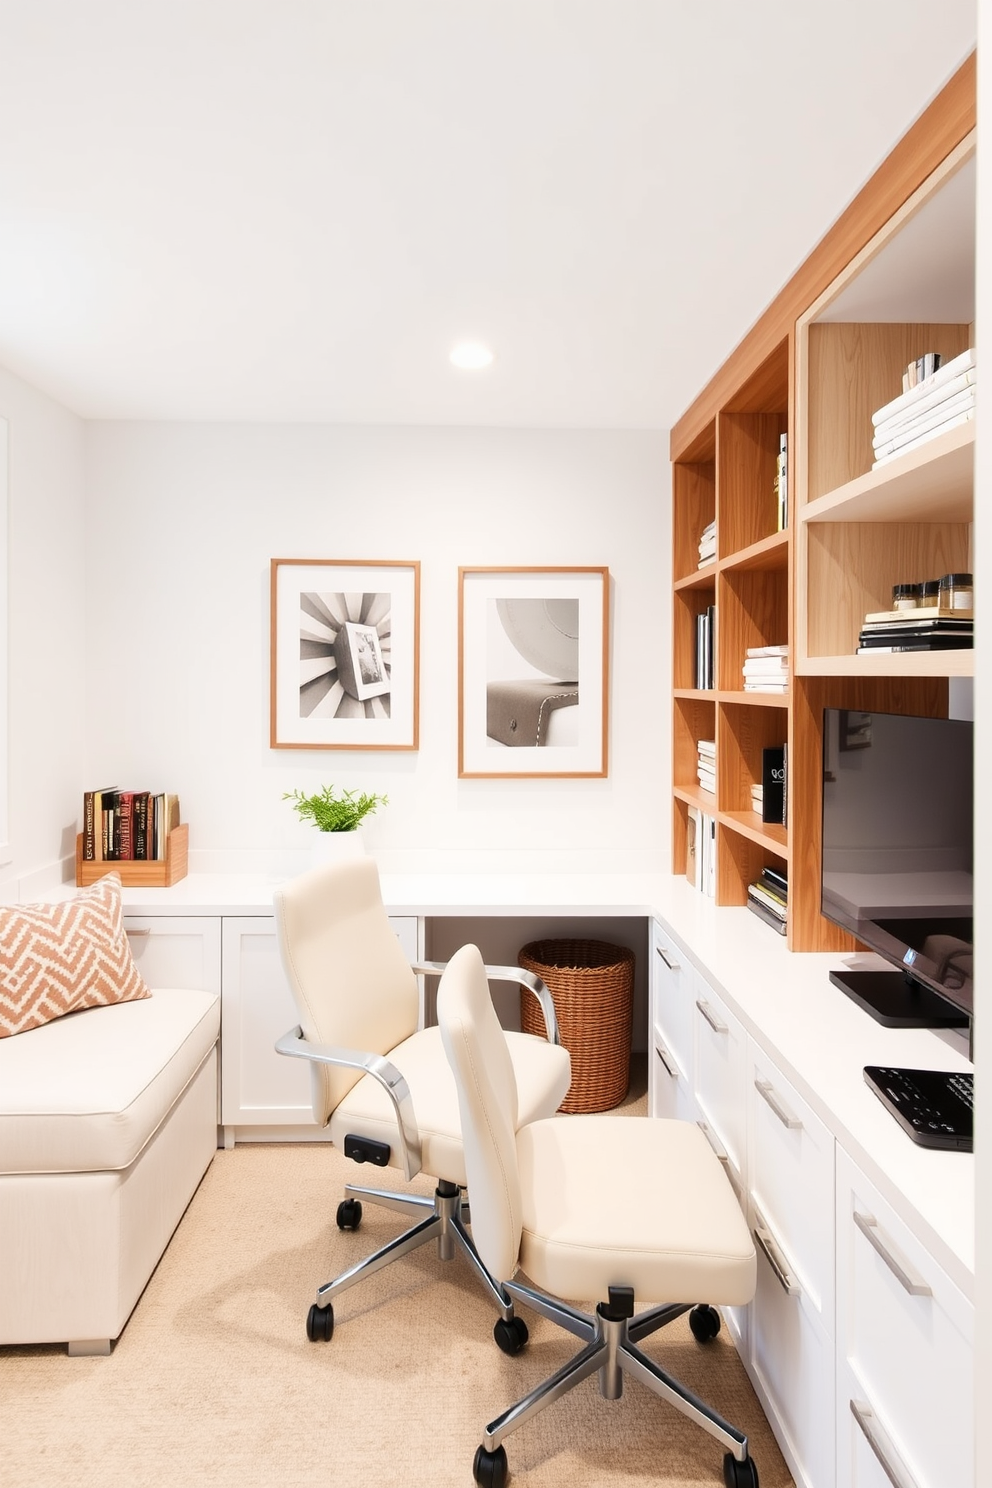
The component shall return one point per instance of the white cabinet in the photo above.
(262, 1094)
(672, 980)
(791, 1196)
(904, 1352)
(176, 951)
(719, 1060)
(262, 1090)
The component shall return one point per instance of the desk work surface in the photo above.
(818, 1038)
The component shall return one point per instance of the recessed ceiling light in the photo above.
(471, 356)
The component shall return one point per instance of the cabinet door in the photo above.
(170, 951)
(670, 1056)
(263, 1089)
(720, 1065)
(904, 1354)
(791, 1348)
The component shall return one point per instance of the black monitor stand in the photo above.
(896, 1001)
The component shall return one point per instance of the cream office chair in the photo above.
(384, 1086)
(567, 1202)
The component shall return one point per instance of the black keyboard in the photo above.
(933, 1106)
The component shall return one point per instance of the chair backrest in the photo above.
(352, 984)
(487, 1100)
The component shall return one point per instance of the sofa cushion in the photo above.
(59, 958)
(85, 1093)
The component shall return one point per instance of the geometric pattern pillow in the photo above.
(58, 958)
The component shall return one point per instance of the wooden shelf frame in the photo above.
(852, 531)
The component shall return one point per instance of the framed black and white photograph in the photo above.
(533, 672)
(344, 656)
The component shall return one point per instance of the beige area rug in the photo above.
(213, 1381)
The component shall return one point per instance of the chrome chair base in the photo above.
(611, 1348)
(443, 1218)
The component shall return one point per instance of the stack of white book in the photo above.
(706, 765)
(766, 669)
(757, 797)
(938, 403)
(707, 544)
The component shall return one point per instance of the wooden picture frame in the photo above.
(344, 667)
(533, 672)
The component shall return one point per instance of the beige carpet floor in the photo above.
(213, 1380)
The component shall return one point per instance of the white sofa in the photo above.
(108, 1121)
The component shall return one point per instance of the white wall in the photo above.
(182, 521)
(46, 604)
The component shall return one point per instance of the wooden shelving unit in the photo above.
(885, 285)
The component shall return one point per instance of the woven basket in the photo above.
(591, 985)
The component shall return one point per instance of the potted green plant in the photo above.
(337, 816)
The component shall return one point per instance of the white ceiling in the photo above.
(291, 209)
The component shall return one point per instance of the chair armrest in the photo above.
(388, 1076)
(510, 974)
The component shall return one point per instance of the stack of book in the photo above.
(707, 544)
(757, 798)
(121, 826)
(706, 765)
(766, 669)
(705, 626)
(768, 898)
(930, 629)
(928, 407)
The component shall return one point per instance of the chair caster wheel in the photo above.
(489, 1468)
(705, 1324)
(739, 1474)
(349, 1215)
(511, 1336)
(320, 1323)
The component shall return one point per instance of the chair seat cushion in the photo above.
(87, 1091)
(542, 1070)
(610, 1201)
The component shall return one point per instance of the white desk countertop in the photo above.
(817, 1036)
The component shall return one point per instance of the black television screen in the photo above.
(896, 861)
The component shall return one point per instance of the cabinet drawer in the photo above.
(792, 1363)
(672, 980)
(176, 952)
(721, 1062)
(791, 1180)
(669, 1091)
(905, 1343)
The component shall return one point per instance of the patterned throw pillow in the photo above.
(58, 958)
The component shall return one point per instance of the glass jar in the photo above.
(956, 592)
(905, 596)
(929, 594)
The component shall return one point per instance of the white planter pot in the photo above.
(337, 847)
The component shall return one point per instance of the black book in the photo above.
(773, 785)
(768, 915)
(775, 878)
(903, 643)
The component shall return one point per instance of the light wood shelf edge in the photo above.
(906, 664)
(934, 482)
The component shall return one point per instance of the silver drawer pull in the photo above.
(136, 934)
(773, 1255)
(672, 965)
(714, 1142)
(889, 1459)
(710, 1016)
(666, 1060)
(903, 1272)
(724, 1159)
(766, 1090)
